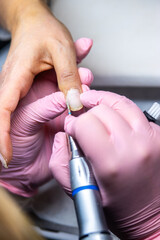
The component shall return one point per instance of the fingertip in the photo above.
(90, 98)
(83, 46)
(85, 88)
(86, 76)
(84, 43)
(5, 150)
(3, 161)
(73, 99)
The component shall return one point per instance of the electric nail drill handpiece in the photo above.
(86, 196)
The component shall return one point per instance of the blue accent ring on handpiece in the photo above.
(92, 187)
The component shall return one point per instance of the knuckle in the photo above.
(124, 99)
(65, 41)
(62, 43)
(110, 175)
(68, 44)
(111, 171)
(67, 75)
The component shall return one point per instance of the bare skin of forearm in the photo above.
(12, 11)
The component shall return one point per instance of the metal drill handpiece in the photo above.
(75, 150)
(86, 196)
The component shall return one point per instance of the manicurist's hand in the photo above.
(39, 42)
(38, 117)
(124, 151)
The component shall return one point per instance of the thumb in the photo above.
(29, 118)
(93, 98)
(59, 162)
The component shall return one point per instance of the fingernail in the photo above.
(73, 99)
(3, 161)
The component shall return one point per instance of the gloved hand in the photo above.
(33, 126)
(124, 151)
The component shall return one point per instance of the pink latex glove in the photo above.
(33, 126)
(124, 151)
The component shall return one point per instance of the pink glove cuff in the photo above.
(145, 224)
(16, 190)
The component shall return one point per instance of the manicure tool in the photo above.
(86, 196)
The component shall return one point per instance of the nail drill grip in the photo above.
(86, 196)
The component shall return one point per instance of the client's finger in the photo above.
(64, 61)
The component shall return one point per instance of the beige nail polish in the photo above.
(73, 99)
(3, 161)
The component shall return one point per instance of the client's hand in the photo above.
(33, 126)
(124, 151)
